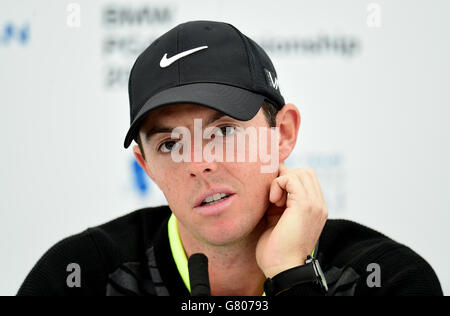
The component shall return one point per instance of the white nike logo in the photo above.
(166, 62)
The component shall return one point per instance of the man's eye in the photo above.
(226, 130)
(167, 147)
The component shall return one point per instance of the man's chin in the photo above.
(227, 235)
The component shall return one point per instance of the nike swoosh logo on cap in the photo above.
(166, 62)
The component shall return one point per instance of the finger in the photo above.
(316, 182)
(306, 177)
(283, 169)
(278, 196)
(290, 183)
(312, 185)
(276, 192)
(282, 202)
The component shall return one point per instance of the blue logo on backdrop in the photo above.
(140, 181)
(14, 33)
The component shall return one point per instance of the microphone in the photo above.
(198, 275)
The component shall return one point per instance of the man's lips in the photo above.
(210, 192)
(216, 208)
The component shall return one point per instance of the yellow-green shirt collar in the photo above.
(178, 254)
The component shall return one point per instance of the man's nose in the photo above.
(198, 166)
(198, 169)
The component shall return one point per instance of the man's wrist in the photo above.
(307, 276)
(272, 271)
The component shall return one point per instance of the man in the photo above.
(196, 94)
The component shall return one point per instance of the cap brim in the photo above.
(238, 103)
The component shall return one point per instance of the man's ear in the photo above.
(288, 122)
(141, 161)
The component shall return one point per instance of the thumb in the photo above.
(277, 194)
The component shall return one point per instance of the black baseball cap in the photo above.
(207, 63)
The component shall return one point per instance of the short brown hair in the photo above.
(270, 112)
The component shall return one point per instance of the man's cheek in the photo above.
(165, 187)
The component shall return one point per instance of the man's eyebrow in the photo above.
(164, 129)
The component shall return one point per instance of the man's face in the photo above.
(183, 183)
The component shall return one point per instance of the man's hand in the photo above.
(294, 221)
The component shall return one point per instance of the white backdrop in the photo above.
(371, 82)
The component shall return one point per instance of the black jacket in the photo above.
(131, 256)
